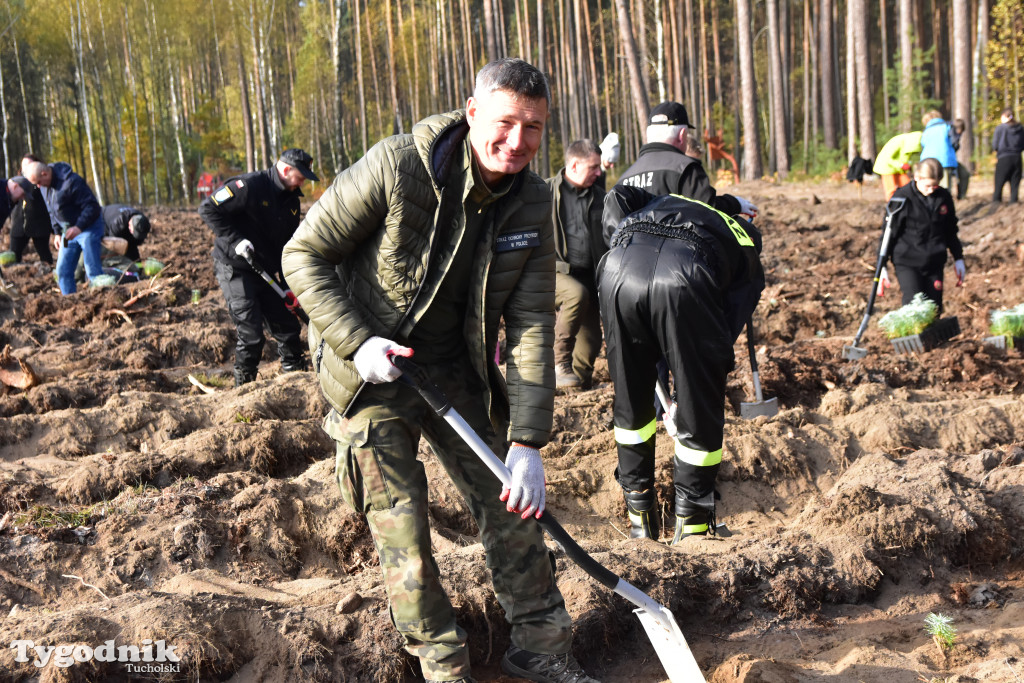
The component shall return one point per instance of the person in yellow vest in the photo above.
(893, 161)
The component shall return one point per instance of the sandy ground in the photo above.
(135, 506)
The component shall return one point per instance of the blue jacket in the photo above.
(72, 200)
(935, 143)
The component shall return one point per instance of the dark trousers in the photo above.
(252, 303)
(1008, 170)
(659, 299)
(926, 280)
(42, 244)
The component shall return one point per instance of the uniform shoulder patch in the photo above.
(239, 183)
(222, 195)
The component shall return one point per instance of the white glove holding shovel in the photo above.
(527, 492)
(373, 360)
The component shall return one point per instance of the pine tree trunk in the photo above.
(640, 104)
(752, 168)
(883, 25)
(364, 135)
(21, 86)
(866, 114)
(396, 114)
(76, 45)
(962, 93)
(906, 68)
(851, 84)
(828, 93)
(778, 93)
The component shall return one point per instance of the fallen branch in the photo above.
(10, 578)
(87, 585)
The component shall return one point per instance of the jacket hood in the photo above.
(438, 141)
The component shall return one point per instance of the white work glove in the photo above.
(610, 150)
(961, 271)
(527, 492)
(747, 207)
(883, 281)
(670, 420)
(373, 360)
(244, 248)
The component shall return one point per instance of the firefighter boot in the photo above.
(642, 508)
(694, 519)
(244, 375)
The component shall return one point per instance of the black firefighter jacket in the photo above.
(731, 246)
(924, 229)
(257, 207)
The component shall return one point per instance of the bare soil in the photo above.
(135, 506)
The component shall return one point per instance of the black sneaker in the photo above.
(544, 668)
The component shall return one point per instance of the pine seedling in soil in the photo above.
(941, 629)
(910, 319)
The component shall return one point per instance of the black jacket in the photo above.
(731, 246)
(661, 169)
(30, 218)
(117, 223)
(595, 209)
(924, 229)
(1008, 139)
(257, 207)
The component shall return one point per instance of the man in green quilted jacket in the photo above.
(418, 250)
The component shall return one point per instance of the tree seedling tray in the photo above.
(938, 332)
(1004, 341)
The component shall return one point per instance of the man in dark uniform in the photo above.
(679, 282)
(576, 208)
(30, 221)
(128, 223)
(662, 167)
(253, 215)
(14, 190)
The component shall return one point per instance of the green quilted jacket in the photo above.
(358, 262)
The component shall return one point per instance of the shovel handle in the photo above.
(417, 378)
(300, 314)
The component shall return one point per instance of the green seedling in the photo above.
(941, 629)
(213, 380)
(242, 418)
(1008, 322)
(910, 319)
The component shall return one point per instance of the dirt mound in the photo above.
(136, 508)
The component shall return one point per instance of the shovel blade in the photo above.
(670, 645)
(854, 353)
(768, 407)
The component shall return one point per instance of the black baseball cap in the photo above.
(24, 183)
(297, 158)
(669, 114)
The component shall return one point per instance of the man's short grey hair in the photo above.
(34, 170)
(581, 149)
(512, 75)
(659, 132)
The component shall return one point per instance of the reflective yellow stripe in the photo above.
(630, 437)
(739, 233)
(695, 528)
(698, 458)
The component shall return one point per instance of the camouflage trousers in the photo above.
(379, 475)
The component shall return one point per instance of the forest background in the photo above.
(141, 96)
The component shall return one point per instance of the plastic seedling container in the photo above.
(932, 336)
